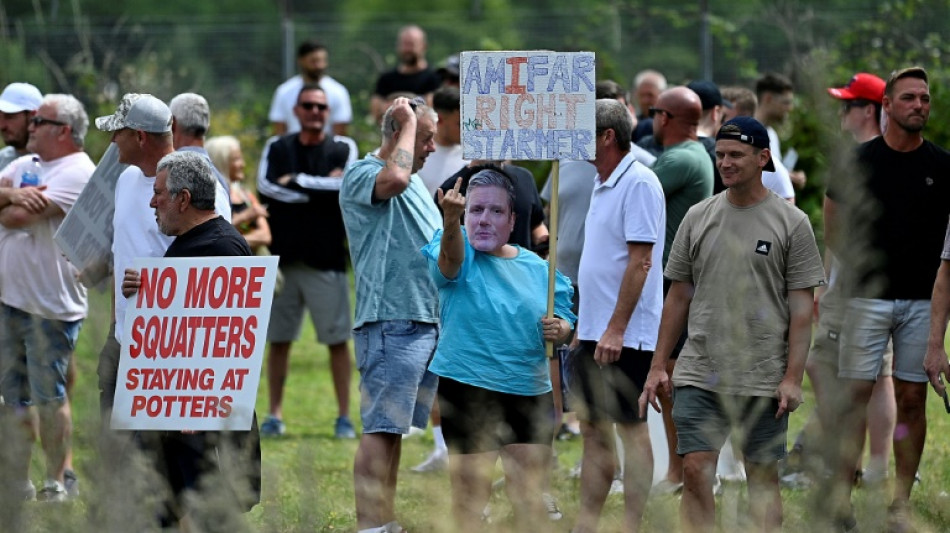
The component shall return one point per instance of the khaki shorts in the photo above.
(325, 293)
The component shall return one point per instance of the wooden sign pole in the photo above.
(552, 247)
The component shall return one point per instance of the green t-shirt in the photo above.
(686, 174)
(742, 261)
(392, 277)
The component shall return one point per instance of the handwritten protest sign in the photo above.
(85, 235)
(195, 335)
(528, 105)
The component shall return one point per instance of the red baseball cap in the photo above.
(863, 86)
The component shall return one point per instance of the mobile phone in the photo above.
(946, 401)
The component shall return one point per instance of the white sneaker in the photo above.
(666, 487)
(550, 505)
(873, 478)
(437, 461)
(414, 432)
(52, 491)
(616, 486)
(28, 491)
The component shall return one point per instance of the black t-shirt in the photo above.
(422, 82)
(188, 452)
(311, 231)
(649, 144)
(903, 210)
(215, 237)
(529, 212)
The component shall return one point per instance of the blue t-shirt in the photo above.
(385, 237)
(490, 334)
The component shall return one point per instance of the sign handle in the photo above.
(552, 247)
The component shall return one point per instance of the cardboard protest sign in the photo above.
(195, 335)
(85, 235)
(528, 105)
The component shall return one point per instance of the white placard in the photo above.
(85, 235)
(195, 335)
(528, 105)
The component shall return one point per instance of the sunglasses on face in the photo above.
(308, 106)
(847, 105)
(655, 110)
(39, 121)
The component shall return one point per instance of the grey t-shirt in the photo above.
(385, 237)
(742, 262)
(575, 184)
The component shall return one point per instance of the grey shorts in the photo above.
(108, 371)
(705, 419)
(324, 293)
(825, 349)
(870, 324)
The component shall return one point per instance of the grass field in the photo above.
(308, 480)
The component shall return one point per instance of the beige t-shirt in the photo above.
(742, 261)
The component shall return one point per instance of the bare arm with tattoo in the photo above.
(397, 153)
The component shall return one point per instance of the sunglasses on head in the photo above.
(310, 105)
(413, 104)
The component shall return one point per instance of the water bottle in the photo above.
(31, 176)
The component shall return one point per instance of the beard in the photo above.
(410, 59)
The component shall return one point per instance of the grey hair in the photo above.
(613, 115)
(418, 104)
(491, 177)
(219, 150)
(70, 111)
(192, 113)
(192, 171)
(643, 75)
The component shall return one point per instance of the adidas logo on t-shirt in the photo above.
(763, 247)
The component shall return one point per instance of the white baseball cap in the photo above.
(19, 97)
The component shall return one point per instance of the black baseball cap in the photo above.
(749, 131)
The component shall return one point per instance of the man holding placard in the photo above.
(184, 203)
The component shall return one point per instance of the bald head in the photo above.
(681, 111)
(411, 46)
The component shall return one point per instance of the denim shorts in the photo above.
(705, 419)
(34, 356)
(870, 324)
(396, 387)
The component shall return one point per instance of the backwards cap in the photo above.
(749, 131)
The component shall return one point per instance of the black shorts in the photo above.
(477, 420)
(667, 283)
(609, 393)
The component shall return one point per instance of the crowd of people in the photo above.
(686, 282)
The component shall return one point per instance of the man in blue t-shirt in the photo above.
(389, 216)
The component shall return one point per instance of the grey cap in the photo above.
(19, 97)
(138, 112)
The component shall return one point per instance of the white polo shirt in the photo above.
(285, 98)
(629, 207)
